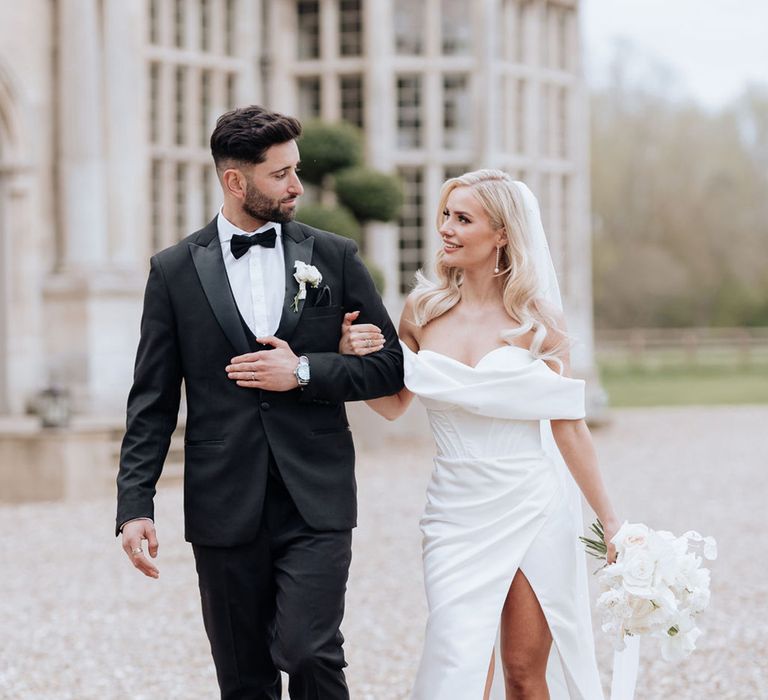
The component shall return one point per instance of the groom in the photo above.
(269, 486)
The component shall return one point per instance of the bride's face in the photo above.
(469, 240)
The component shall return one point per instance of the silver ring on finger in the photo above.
(368, 343)
(137, 550)
(253, 376)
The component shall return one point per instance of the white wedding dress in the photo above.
(498, 501)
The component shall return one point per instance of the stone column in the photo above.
(126, 135)
(92, 301)
(82, 172)
(379, 103)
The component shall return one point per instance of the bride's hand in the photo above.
(610, 528)
(361, 339)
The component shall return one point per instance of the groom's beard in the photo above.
(258, 206)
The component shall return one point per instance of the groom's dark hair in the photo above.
(245, 134)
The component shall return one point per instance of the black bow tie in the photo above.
(239, 245)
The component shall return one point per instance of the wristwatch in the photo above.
(302, 371)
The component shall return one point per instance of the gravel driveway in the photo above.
(77, 622)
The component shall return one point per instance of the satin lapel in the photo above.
(213, 277)
(296, 246)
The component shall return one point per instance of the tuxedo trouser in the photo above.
(276, 604)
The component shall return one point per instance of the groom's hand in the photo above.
(134, 533)
(271, 370)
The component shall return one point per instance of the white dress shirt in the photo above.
(257, 278)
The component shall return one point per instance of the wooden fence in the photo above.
(655, 347)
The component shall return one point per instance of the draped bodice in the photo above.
(494, 408)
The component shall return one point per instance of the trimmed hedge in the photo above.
(370, 195)
(334, 219)
(327, 148)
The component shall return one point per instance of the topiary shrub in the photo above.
(327, 148)
(334, 219)
(370, 195)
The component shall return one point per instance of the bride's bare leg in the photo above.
(525, 643)
(489, 677)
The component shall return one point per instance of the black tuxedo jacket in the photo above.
(190, 330)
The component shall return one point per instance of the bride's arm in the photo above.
(363, 339)
(575, 444)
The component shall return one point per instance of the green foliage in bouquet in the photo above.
(596, 546)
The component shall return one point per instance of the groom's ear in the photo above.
(233, 182)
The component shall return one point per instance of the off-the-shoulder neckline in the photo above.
(464, 364)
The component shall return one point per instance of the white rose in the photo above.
(638, 568)
(630, 535)
(307, 273)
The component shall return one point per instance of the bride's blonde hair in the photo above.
(502, 202)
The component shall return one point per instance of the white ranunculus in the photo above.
(613, 604)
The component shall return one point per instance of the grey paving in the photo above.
(77, 622)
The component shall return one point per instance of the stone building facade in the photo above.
(106, 107)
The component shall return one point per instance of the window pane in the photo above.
(154, 102)
(521, 125)
(545, 123)
(308, 20)
(409, 111)
(178, 23)
(155, 199)
(411, 224)
(562, 46)
(205, 186)
(205, 25)
(180, 110)
(409, 27)
(232, 91)
(154, 22)
(181, 201)
(455, 171)
(457, 128)
(562, 122)
(309, 97)
(351, 89)
(230, 18)
(205, 107)
(457, 27)
(350, 28)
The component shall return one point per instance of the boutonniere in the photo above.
(304, 275)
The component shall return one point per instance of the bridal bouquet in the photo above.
(656, 588)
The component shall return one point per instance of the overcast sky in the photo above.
(715, 47)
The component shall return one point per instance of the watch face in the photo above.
(302, 372)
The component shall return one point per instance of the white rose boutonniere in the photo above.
(304, 275)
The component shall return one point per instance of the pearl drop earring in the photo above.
(498, 260)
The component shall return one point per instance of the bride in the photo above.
(487, 354)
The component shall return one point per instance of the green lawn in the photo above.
(678, 386)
